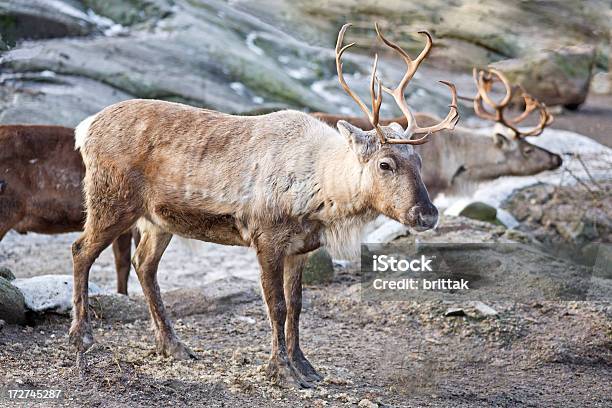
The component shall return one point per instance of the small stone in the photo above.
(480, 211)
(484, 309)
(240, 357)
(6, 273)
(454, 311)
(366, 403)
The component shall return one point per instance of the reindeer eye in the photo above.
(528, 150)
(384, 166)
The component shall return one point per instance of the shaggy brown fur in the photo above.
(40, 187)
(283, 184)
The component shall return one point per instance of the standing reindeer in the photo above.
(40, 187)
(455, 164)
(283, 183)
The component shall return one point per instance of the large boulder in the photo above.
(555, 77)
(33, 19)
(319, 268)
(45, 98)
(12, 303)
(193, 59)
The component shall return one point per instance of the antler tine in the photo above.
(373, 116)
(376, 94)
(412, 127)
(545, 117)
(531, 104)
(412, 65)
(484, 81)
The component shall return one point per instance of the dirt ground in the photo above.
(401, 354)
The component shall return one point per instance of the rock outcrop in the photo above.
(555, 77)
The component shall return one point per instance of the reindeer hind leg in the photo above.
(122, 248)
(151, 247)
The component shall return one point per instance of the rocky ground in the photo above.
(551, 215)
(372, 354)
(530, 352)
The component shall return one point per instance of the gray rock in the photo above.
(454, 312)
(194, 58)
(49, 292)
(480, 211)
(32, 19)
(128, 12)
(12, 303)
(6, 273)
(50, 99)
(464, 37)
(484, 309)
(555, 77)
(602, 83)
(319, 268)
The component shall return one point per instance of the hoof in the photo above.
(176, 349)
(303, 366)
(283, 373)
(306, 370)
(81, 365)
(81, 337)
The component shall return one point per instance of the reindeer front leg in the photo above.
(271, 260)
(294, 265)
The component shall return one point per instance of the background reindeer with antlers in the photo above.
(454, 164)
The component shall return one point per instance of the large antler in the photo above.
(484, 82)
(398, 94)
(374, 115)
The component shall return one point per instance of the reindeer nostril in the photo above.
(423, 217)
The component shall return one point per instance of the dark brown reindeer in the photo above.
(455, 164)
(41, 187)
(283, 183)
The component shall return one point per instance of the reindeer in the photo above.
(456, 164)
(283, 183)
(40, 187)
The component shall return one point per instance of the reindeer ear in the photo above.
(353, 134)
(358, 139)
(501, 140)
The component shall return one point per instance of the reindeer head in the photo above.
(391, 166)
(509, 152)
